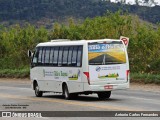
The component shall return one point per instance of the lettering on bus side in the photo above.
(60, 73)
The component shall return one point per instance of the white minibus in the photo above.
(79, 67)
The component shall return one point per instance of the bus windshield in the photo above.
(107, 52)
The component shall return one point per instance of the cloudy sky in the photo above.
(133, 1)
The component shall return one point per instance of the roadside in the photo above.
(145, 87)
(13, 80)
(133, 85)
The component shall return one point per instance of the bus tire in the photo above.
(66, 93)
(104, 95)
(37, 92)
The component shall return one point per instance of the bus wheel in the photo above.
(66, 93)
(37, 92)
(104, 95)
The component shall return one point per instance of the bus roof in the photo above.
(72, 42)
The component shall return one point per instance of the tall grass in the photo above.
(15, 73)
(145, 78)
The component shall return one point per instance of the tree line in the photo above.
(143, 47)
(35, 10)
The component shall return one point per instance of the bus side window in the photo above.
(79, 56)
(60, 56)
(47, 56)
(65, 56)
(43, 55)
(70, 56)
(55, 59)
(74, 56)
(51, 56)
(40, 56)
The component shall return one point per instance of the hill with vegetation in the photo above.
(49, 11)
(143, 48)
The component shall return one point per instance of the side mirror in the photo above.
(30, 53)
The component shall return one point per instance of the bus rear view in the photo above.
(108, 67)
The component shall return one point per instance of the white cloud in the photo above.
(133, 1)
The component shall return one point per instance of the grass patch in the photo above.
(145, 78)
(15, 73)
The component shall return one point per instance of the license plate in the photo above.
(108, 87)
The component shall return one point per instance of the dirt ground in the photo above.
(145, 87)
(133, 86)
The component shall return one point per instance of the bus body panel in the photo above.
(108, 74)
(51, 78)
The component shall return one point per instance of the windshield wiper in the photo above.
(103, 62)
(114, 63)
(95, 63)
